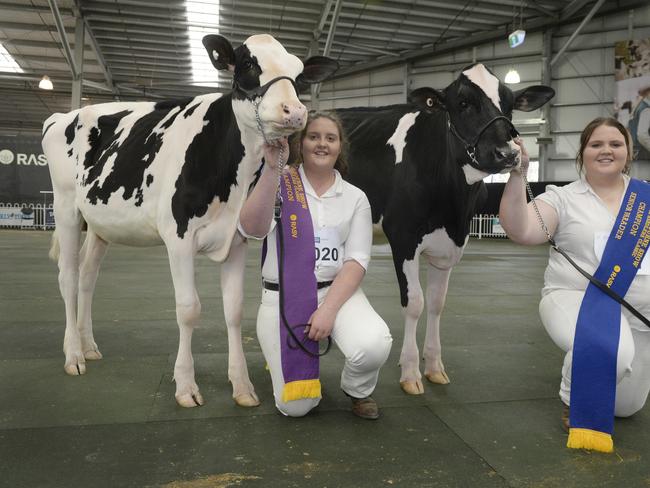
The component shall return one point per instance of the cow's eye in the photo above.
(429, 102)
(463, 104)
(247, 64)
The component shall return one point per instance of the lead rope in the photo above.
(277, 214)
(599, 284)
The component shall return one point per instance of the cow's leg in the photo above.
(188, 310)
(66, 238)
(437, 281)
(411, 379)
(232, 291)
(93, 251)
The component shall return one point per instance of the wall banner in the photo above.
(632, 102)
(23, 171)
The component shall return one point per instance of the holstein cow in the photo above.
(173, 173)
(421, 165)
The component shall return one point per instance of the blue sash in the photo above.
(595, 345)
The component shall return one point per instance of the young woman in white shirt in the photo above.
(579, 217)
(340, 214)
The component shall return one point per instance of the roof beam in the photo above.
(586, 20)
(64, 39)
(467, 41)
(108, 76)
(332, 29)
(572, 8)
(22, 7)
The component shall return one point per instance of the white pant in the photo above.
(361, 335)
(559, 313)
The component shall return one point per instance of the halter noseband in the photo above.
(256, 95)
(470, 147)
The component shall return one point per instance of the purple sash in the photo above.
(298, 290)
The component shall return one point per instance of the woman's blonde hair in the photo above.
(589, 130)
(295, 142)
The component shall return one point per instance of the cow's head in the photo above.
(265, 82)
(479, 113)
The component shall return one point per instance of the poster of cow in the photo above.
(632, 103)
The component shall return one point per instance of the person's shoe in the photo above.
(366, 408)
(565, 418)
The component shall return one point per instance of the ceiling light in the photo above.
(512, 77)
(516, 38)
(45, 83)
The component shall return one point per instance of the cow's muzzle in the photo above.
(505, 159)
(291, 118)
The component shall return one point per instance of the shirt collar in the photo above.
(335, 189)
(582, 186)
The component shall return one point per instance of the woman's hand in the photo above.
(272, 153)
(321, 323)
(524, 159)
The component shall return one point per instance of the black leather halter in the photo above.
(260, 91)
(256, 95)
(470, 147)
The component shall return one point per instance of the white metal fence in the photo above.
(26, 216)
(39, 216)
(486, 226)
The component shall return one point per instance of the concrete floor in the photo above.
(496, 425)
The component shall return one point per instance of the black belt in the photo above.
(276, 286)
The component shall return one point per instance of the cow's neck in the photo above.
(440, 170)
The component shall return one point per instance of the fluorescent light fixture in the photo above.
(202, 19)
(512, 77)
(45, 83)
(7, 62)
(516, 38)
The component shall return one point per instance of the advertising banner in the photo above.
(16, 217)
(23, 171)
(632, 102)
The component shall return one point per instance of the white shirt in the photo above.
(582, 215)
(343, 207)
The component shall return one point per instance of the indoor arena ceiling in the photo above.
(142, 49)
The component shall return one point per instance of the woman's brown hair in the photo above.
(589, 130)
(295, 142)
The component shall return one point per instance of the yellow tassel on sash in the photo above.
(590, 439)
(297, 390)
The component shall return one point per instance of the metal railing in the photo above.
(26, 216)
(486, 226)
(39, 216)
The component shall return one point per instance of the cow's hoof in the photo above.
(75, 369)
(189, 400)
(93, 355)
(247, 400)
(439, 378)
(412, 387)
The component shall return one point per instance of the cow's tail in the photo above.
(54, 248)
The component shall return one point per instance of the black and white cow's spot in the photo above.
(130, 156)
(209, 171)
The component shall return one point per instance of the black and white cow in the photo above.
(421, 165)
(175, 174)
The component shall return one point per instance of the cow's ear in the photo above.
(316, 69)
(426, 98)
(220, 51)
(533, 97)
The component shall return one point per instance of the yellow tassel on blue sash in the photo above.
(590, 439)
(297, 390)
